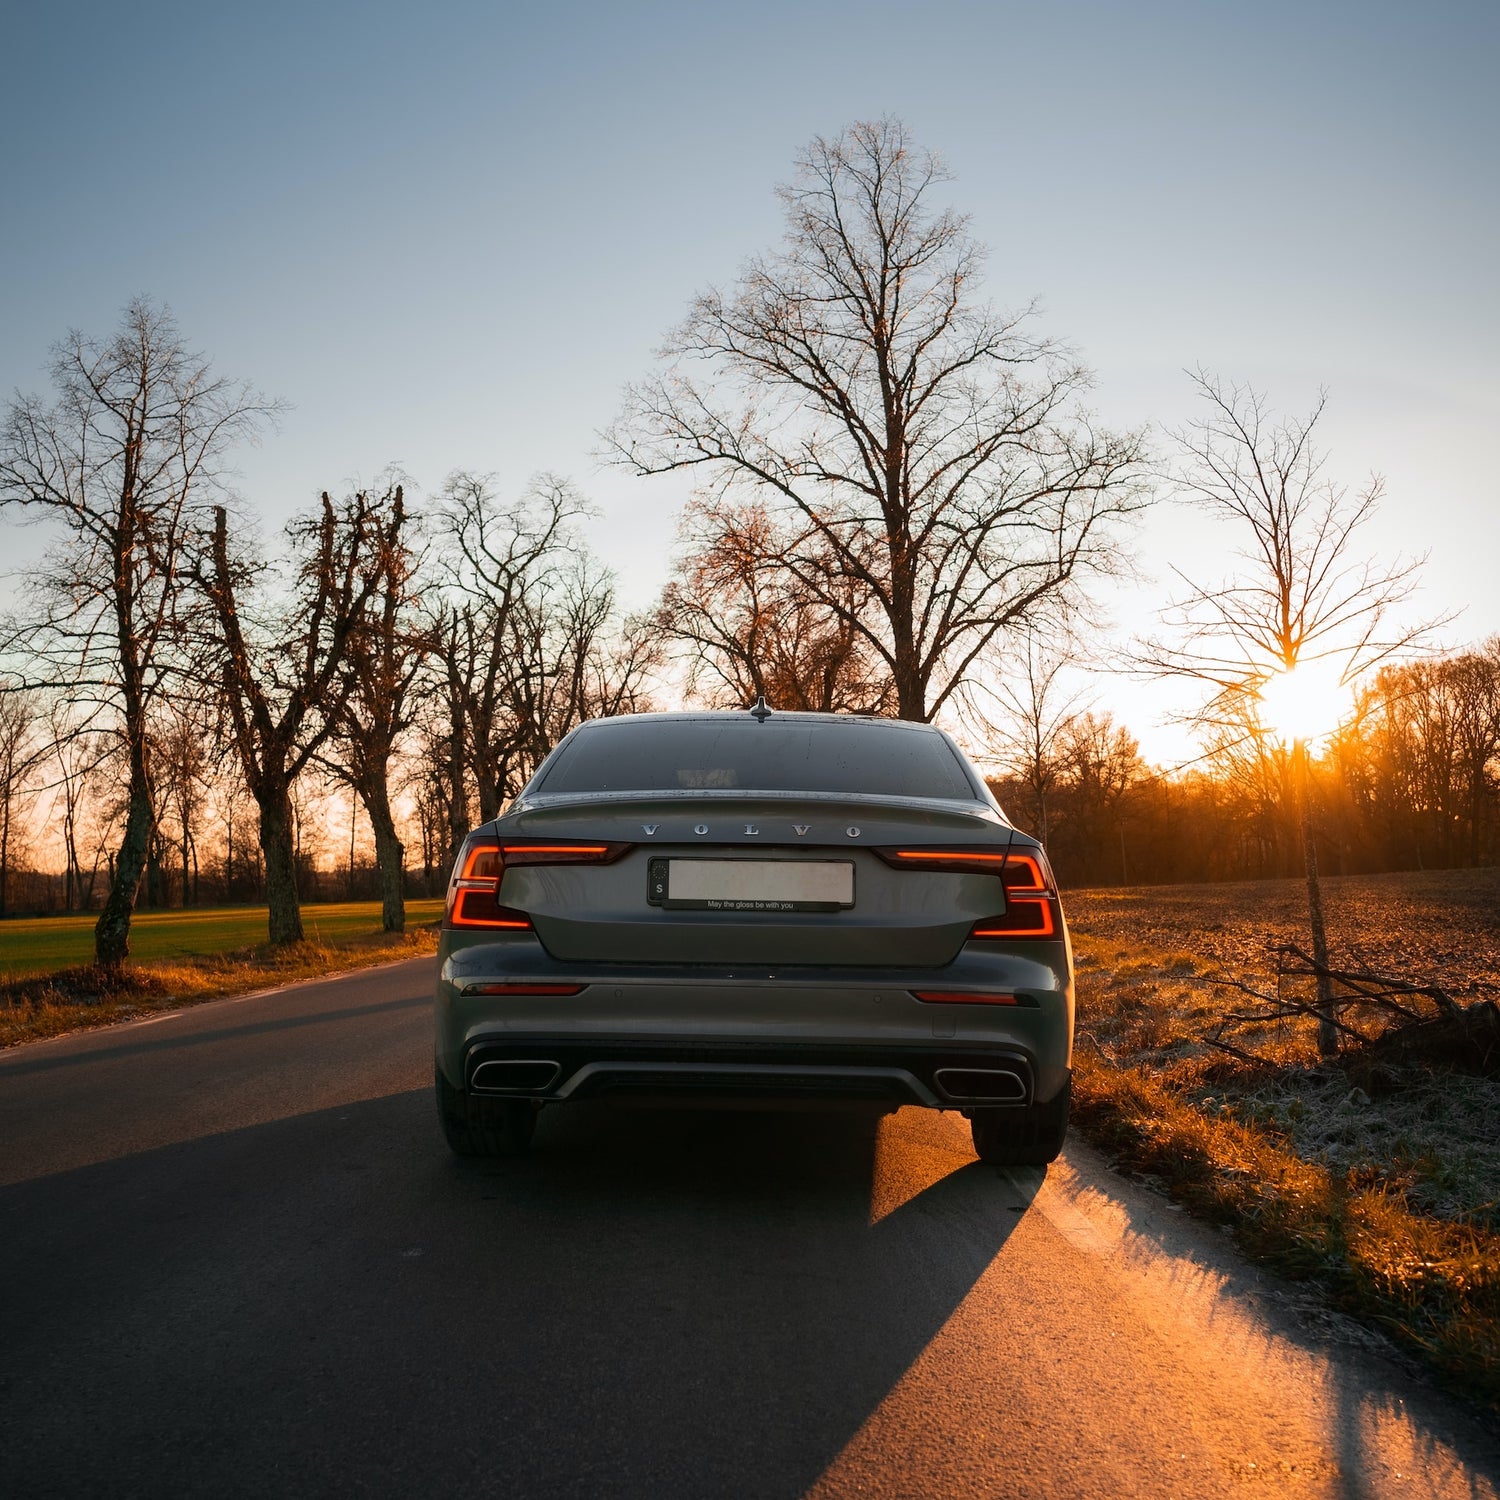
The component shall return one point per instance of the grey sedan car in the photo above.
(757, 907)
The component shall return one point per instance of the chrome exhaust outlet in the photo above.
(981, 1085)
(515, 1075)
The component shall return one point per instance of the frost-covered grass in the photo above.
(1378, 1173)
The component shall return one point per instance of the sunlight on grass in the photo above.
(35, 946)
(1376, 1176)
(48, 985)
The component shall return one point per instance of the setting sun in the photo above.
(1304, 703)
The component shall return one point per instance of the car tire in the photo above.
(483, 1127)
(1030, 1137)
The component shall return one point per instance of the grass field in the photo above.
(49, 986)
(36, 946)
(1376, 1174)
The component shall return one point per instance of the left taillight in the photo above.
(474, 890)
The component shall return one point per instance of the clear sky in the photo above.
(448, 234)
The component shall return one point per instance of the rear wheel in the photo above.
(1029, 1137)
(483, 1127)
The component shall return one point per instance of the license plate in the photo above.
(751, 884)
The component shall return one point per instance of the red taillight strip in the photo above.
(562, 854)
(962, 997)
(953, 856)
(474, 855)
(946, 861)
(521, 987)
(994, 927)
(488, 912)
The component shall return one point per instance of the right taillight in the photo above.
(1031, 909)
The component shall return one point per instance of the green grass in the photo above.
(42, 945)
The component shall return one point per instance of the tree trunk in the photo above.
(5, 852)
(911, 693)
(389, 856)
(112, 930)
(458, 796)
(1328, 1035)
(284, 912)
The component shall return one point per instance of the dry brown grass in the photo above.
(1378, 1175)
(82, 998)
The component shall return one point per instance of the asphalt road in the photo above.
(237, 1259)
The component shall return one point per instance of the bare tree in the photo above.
(501, 560)
(80, 759)
(450, 689)
(121, 461)
(385, 656)
(183, 772)
(528, 641)
(1101, 765)
(1025, 710)
(752, 629)
(285, 677)
(22, 751)
(1302, 595)
(919, 445)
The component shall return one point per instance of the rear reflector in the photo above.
(963, 997)
(522, 987)
(1025, 917)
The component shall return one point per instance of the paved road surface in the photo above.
(236, 1259)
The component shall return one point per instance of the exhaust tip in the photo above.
(981, 1085)
(515, 1075)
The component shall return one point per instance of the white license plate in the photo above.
(759, 884)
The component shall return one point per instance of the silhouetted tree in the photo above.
(916, 444)
(1302, 595)
(384, 657)
(284, 677)
(751, 627)
(23, 747)
(122, 462)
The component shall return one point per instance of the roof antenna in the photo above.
(760, 713)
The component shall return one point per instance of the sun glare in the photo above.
(1304, 703)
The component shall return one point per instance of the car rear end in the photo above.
(715, 907)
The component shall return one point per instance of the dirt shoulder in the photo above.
(1376, 1175)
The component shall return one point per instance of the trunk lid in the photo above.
(899, 918)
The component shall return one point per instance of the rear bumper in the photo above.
(744, 1032)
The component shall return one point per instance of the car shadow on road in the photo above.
(674, 1303)
(652, 1304)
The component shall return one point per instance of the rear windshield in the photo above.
(836, 755)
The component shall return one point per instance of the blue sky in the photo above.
(447, 235)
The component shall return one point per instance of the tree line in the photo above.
(902, 502)
(163, 655)
(1410, 781)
